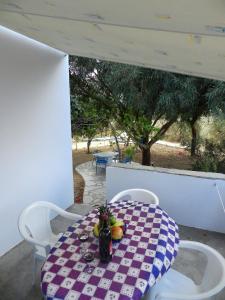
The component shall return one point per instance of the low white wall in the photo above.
(35, 136)
(190, 200)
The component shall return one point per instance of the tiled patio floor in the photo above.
(16, 265)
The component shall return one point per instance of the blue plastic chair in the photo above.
(126, 160)
(101, 162)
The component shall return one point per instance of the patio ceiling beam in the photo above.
(183, 36)
(200, 17)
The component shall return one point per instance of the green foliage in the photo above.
(216, 97)
(211, 159)
(201, 101)
(144, 102)
(217, 139)
(206, 163)
(221, 166)
(87, 119)
(216, 130)
(137, 125)
(130, 152)
(201, 98)
(137, 98)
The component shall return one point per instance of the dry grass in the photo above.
(169, 157)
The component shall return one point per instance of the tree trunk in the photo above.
(127, 141)
(118, 147)
(88, 145)
(193, 139)
(146, 156)
(117, 142)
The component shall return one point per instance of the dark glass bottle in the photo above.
(105, 241)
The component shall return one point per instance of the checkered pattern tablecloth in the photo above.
(146, 252)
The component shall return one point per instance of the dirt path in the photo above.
(162, 156)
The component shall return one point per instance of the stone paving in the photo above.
(95, 184)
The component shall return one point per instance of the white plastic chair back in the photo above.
(35, 222)
(214, 275)
(140, 195)
(35, 227)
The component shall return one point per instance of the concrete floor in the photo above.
(16, 265)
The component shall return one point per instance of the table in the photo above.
(146, 252)
(108, 154)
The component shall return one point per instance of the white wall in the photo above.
(190, 200)
(35, 140)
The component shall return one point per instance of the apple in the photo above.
(112, 220)
(120, 224)
(117, 232)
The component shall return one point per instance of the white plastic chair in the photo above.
(139, 195)
(34, 226)
(176, 286)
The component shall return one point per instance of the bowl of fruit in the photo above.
(117, 227)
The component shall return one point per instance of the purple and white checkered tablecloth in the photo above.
(145, 253)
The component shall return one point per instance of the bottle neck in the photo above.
(105, 222)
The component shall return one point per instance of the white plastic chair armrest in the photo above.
(174, 296)
(70, 216)
(185, 244)
(37, 242)
(64, 213)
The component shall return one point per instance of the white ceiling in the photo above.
(184, 36)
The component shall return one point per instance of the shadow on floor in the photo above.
(16, 267)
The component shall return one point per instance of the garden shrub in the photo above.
(206, 163)
(130, 152)
(211, 159)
